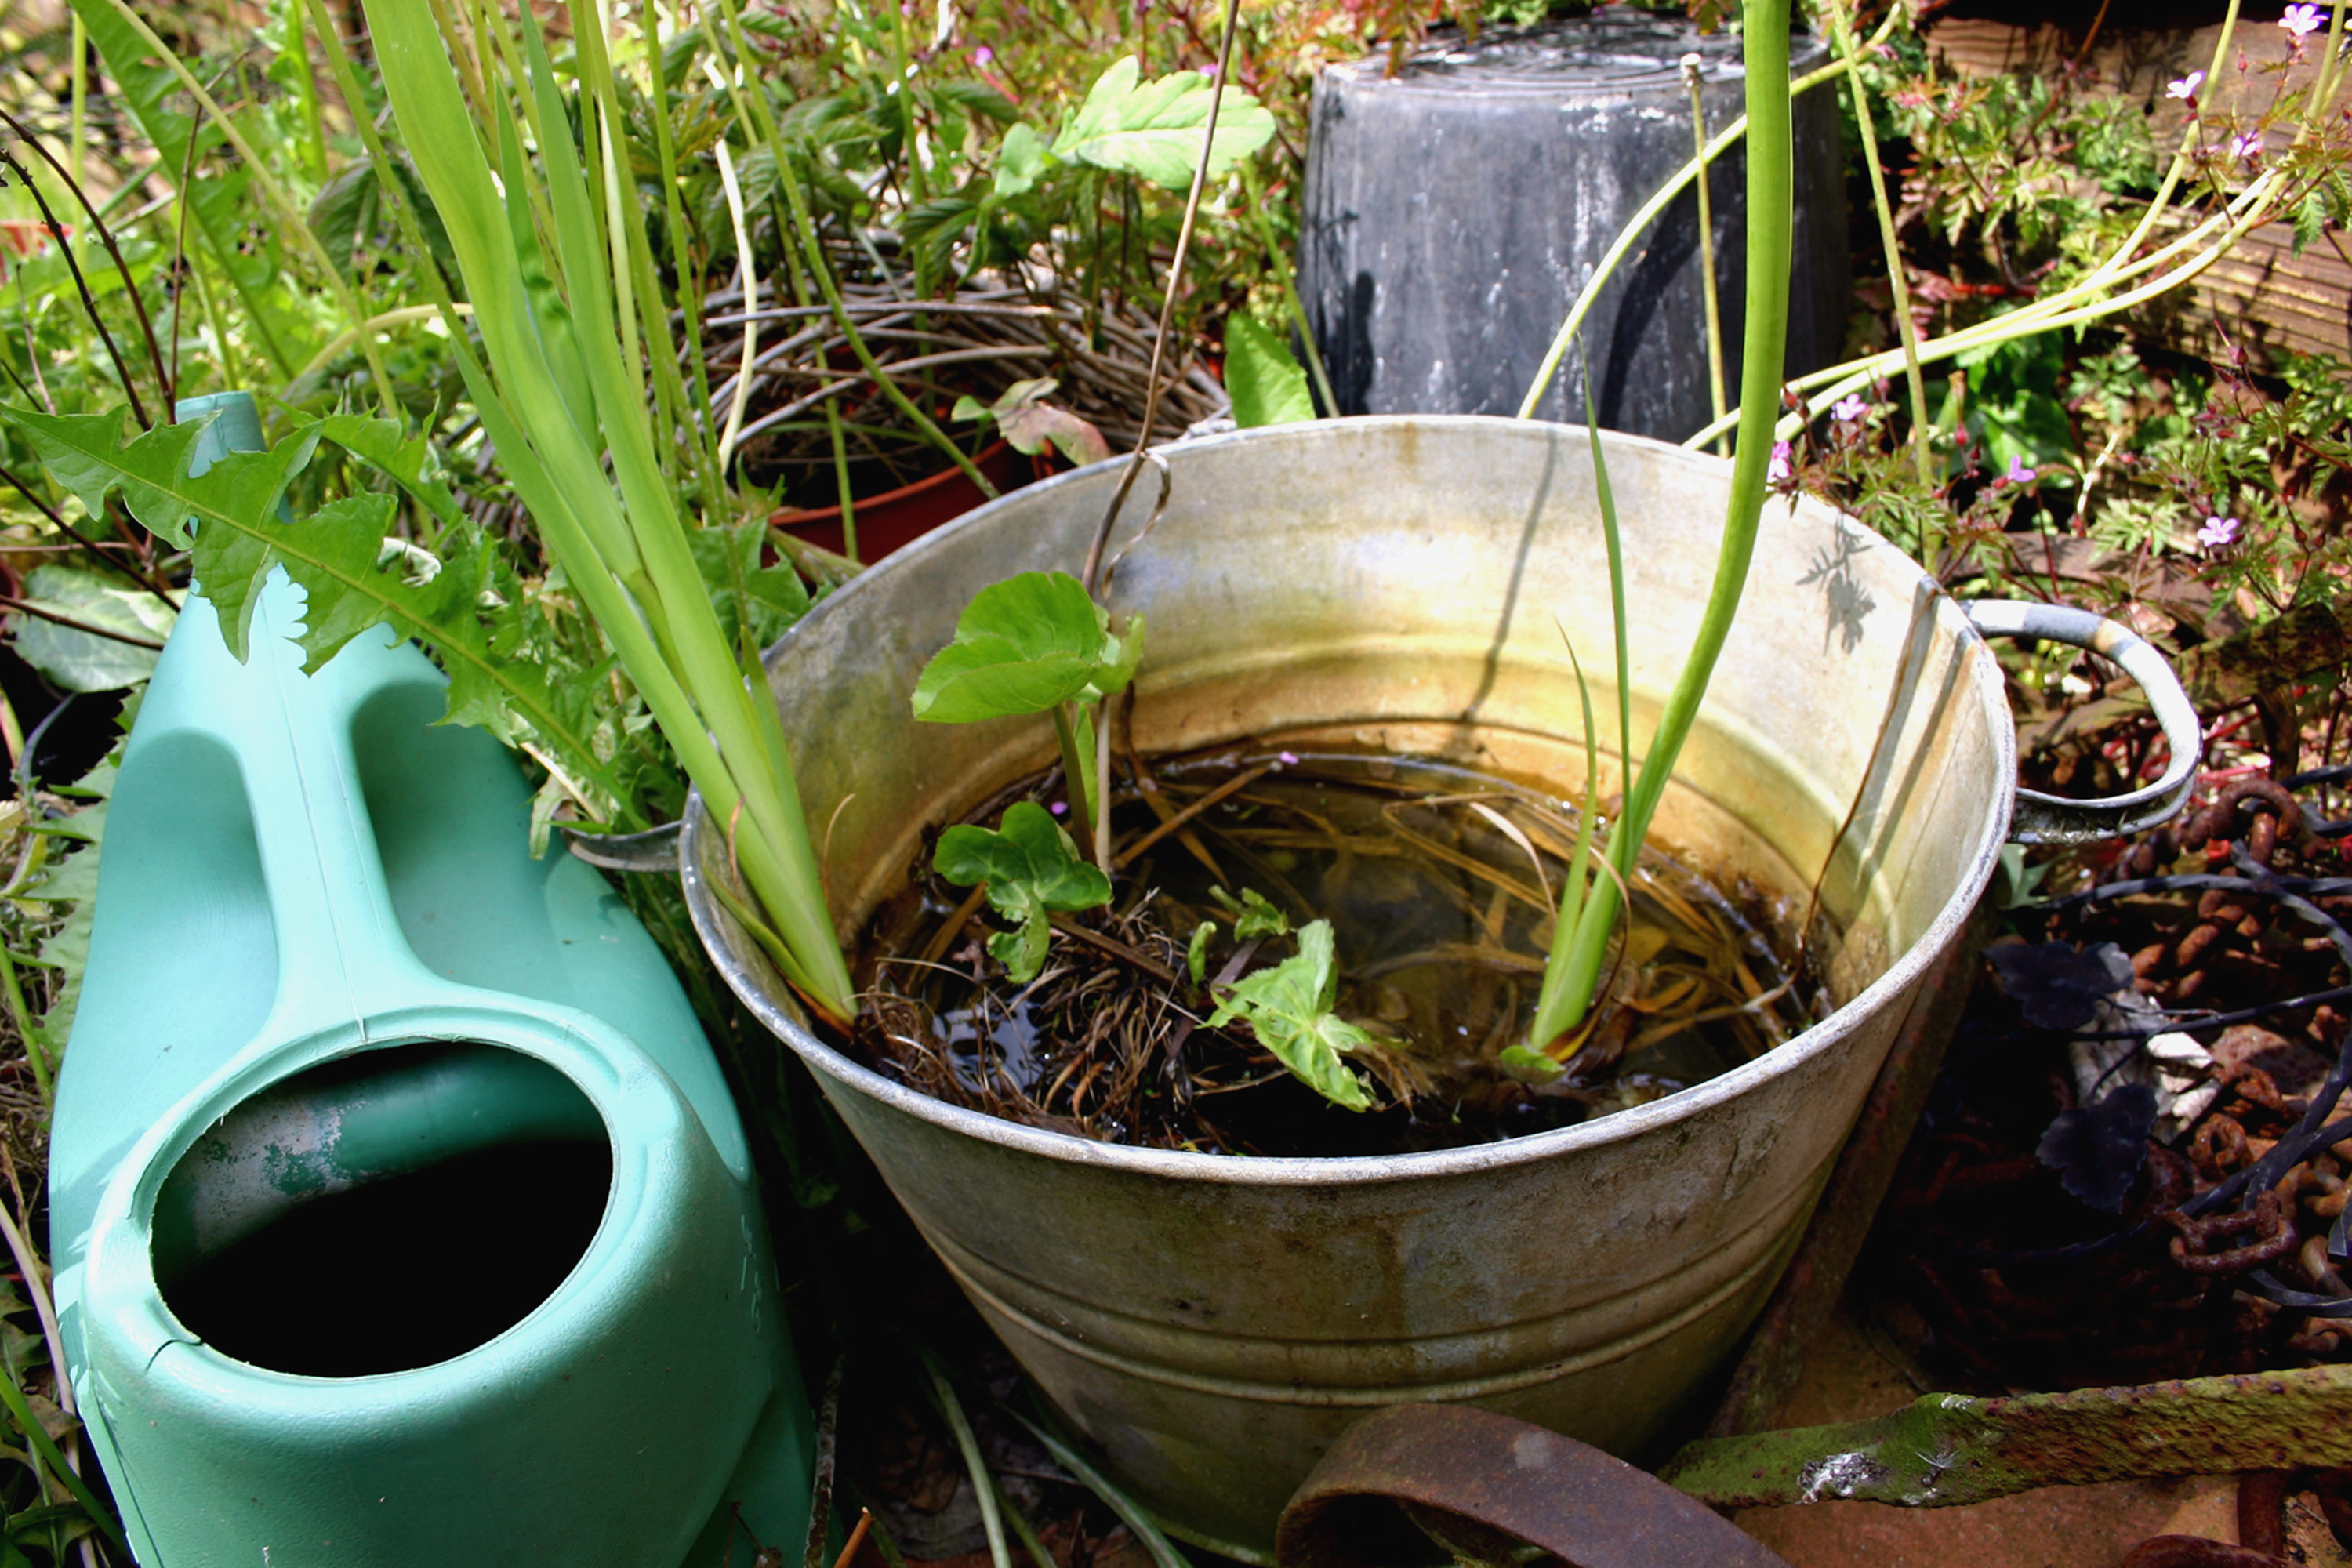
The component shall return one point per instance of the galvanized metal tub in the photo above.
(1211, 1324)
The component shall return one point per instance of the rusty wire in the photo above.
(2235, 1249)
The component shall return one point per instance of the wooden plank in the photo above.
(2262, 298)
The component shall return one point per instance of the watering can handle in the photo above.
(341, 948)
(2052, 819)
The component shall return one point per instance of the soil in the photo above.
(1429, 875)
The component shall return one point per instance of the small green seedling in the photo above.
(1037, 643)
(1196, 955)
(1253, 915)
(1024, 418)
(1289, 1008)
(1030, 870)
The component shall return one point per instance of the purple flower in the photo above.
(2018, 472)
(2186, 87)
(2248, 146)
(2218, 532)
(1848, 409)
(2301, 20)
(982, 55)
(1060, 808)
(1777, 469)
(1209, 70)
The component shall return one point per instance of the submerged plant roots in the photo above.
(1442, 887)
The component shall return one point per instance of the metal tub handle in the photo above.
(2052, 819)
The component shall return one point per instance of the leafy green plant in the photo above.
(228, 519)
(1031, 424)
(561, 386)
(1252, 914)
(1127, 128)
(1031, 870)
(1037, 643)
(1268, 386)
(1289, 1008)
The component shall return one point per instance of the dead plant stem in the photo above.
(1092, 574)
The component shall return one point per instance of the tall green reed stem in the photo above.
(559, 397)
(1693, 78)
(1579, 950)
(1842, 30)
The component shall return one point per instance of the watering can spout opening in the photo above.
(338, 1209)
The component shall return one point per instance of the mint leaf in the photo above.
(1289, 1009)
(1153, 130)
(1268, 386)
(1030, 869)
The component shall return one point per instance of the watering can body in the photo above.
(400, 1210)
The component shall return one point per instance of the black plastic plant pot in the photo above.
(1454, 210)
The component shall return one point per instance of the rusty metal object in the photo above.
(2261, 809)
(2197, 1551)
(1948, 1448)
(1449, 1464)
(1769, 1372)
(2229, 1256)
(2272, 1236)
(2261, 1512)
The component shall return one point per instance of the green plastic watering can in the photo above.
(401, 1215)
